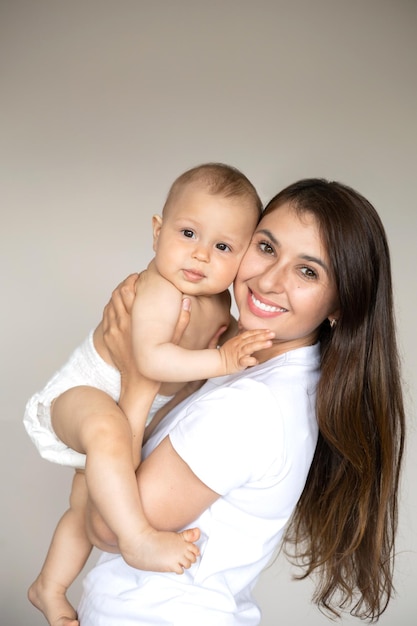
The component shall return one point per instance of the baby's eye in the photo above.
(222, 246)
(266, 247)
(188, 233)
(309, 272)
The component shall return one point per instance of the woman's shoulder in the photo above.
(277, 392)
(300, 366)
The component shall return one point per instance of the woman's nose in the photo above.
(272, 278)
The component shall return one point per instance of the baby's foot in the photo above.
(50, 599)
(191, 535)
(159, 551)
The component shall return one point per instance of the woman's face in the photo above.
(284, 282)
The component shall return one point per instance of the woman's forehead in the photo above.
(289, 217)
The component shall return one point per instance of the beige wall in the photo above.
(102, 105)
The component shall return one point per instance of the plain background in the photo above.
(102, 105)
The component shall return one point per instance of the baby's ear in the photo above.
(156, 229)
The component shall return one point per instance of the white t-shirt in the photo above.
(250, 437)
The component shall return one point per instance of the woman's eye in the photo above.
(266, 247)
(223, 246)
(188, 233)
(308, 272)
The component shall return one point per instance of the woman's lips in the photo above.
(262, 308)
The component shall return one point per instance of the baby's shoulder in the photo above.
(215, 306)
(208, 303)
(150, 280)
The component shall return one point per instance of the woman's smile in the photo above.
(263, 308)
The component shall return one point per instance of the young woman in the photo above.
(304, 446)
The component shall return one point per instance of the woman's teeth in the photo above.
(267, 307)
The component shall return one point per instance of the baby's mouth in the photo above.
(193, 275)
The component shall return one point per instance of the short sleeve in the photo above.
(231, 436)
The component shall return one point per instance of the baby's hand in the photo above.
(236, 353)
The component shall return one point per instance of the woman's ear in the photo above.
(156, 229)
(334, 318)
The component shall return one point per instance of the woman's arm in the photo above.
(172, 495)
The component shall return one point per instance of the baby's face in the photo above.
(201, 240)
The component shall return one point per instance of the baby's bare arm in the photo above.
(178, 364)
(155, 312)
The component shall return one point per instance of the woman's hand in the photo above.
(117, 325)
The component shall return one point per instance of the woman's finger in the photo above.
(183, 320)
(214, 341)
(124, 294)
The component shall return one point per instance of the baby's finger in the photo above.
(254, 345)
(259, 333)
(247, 361)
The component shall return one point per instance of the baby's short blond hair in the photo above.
(217, 179)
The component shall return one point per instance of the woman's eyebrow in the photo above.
(314, 259)
(267, 233)
(305, 257)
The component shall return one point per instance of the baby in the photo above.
(205, 229)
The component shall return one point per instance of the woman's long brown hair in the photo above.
(344, 526)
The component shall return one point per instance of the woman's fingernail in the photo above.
(186, 304)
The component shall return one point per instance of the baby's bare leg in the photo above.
(89, 421)
(66, 557)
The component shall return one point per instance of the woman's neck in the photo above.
(280, 347)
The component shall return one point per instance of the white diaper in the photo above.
(84, 367)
